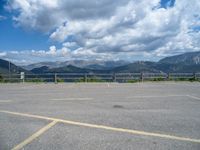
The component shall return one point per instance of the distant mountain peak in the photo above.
(6, 66)
(186, 58)
(89, 64)
(184, 63)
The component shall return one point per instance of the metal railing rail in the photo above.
(97, 77)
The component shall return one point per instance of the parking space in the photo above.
(71, 137)
(14, 129)
(163, 115)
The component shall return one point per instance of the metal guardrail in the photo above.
(90, 77)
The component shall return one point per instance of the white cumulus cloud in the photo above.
(113, 29)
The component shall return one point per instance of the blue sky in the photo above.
(39, 30)
(18, 38)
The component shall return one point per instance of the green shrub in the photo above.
(60, 80)
(1, 78)
(193, 79)
(36, 80)
(132, 81)
(159, 79)
(94, 79)
(90, 79)
(80, 80)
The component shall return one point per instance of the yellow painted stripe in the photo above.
(130, 131)
(34, 136)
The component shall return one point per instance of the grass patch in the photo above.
(132, 81)
(60, 80)
(35, 80)
(95, 79)
(159, 79)
(90, 79)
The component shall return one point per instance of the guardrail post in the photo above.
(114, 77)
(22, 76)
(86, 77)
(142, 77)
(168, 76)
(194, 76)
(55, 78)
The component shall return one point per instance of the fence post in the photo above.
(194, 75)
(142, 77)
(114, 77)
(55, 78)
(22, 76)
(85, 77)
(168, 76)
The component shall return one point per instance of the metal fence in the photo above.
(93, 77)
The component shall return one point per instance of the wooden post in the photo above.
(168, 76)
(55, 78)
(114, 77)
(86, 77)
(142, 77)
(24, 78)
(194, 76)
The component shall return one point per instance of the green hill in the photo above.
(5, 65)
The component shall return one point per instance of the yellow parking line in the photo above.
(130, 131)
(34, 136)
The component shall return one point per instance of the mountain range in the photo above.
(89, 64)
(184, 63)
(6, 67)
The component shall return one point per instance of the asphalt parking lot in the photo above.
(104, 116)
